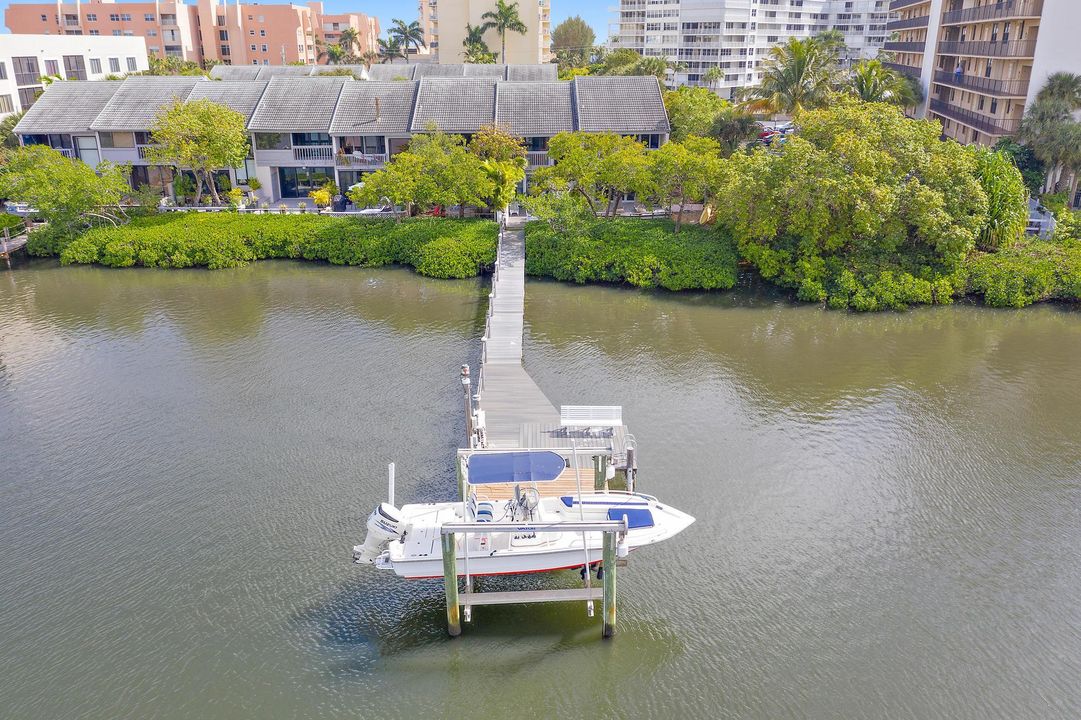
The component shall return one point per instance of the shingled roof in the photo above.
(237, 94)
(532, 73)
(234, 72)
(67, 107)
(454, 104)
(298, 104)
(389, 72)
(622, 104)
(136, 104)
(535, 108)
(356, 112)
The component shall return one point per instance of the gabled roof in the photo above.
(271, 71)
(136, 104)
(294, 104)
(458, 105)
(67, 107)
(535, 108)
(532, 73)
(441, 70)
(234, 72)
(236, 94)
(622, 104)
(357, 114)
(389, 72)
(497, 72)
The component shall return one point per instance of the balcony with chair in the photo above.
(359, 160)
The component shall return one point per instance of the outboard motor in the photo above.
(384, 525)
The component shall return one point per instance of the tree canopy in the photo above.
(572, 41)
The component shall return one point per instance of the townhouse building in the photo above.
(444, 21)
(735, 36)
(29, 62)
(206, 30)
(308, 129)
(981, 62)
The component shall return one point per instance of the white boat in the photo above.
(506, 502)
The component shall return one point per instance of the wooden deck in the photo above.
(11, 244)
(508, 396)
(565, 484)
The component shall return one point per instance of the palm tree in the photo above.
(369, 58)
(407, 35)
(349, 39)
(474, 35)
(478, 54)
(796, 75)
(732, 127)
(871, 81)
(1062, 86)
(332, 53)
(503, 19)
(1047, 128)
(389, 50)
(712, 77)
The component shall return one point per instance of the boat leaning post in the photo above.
(468, 395)
(450, 581)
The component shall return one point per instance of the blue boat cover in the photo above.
(635, 518)
(515, 467)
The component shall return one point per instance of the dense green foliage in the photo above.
(7, 220)
(437, 248)
(643, 253)
(1028, 271)
(863, 208)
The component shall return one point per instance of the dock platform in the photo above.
(11, 241)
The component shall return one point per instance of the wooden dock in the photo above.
(508, 397)
(11, 242)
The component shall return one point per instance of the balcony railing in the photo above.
(998, 11)
(142, 150)
(359, 160)
(912, 22)
(986, 86)
(538, 158)
(909, 70)
(979, 121)
(905, 46)
(313, 152)
(66, 152)
(1025, 48)
(898, 4)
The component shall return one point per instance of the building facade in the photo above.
(207, 30)
(29, 62)
(444, 21)
(308, 129)
(981, 63)
(735, 36)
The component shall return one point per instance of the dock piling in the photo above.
(609, 600)
(450, 578)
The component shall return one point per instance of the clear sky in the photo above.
(594, 12)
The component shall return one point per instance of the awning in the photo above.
(515, 467)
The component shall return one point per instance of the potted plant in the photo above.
(264, 206)
(302, 206)
(255, 186)
(282, 207)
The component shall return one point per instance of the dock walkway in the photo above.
(508, 396)
(10, 244)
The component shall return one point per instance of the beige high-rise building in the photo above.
(444, 21)
(981, 62)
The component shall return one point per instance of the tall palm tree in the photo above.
(349, 39)
(332, 53)
(871, 81)
(407, 35)
(1062, 86)
(712, 77)
(389, 50)
(504, 19)
(474, 35)
(796, 75)
(1047, 128)
(369, 58)
(732, 127)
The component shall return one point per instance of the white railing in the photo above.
(313, 152)
(66, 152)
(349, 160)
(538, 158)
(142, 149)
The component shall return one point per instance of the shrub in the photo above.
(642, 253)
(435, 247)
(1030, 271)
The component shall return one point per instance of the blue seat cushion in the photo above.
(635, 518)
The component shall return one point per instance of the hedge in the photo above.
(642, 253)
(441, 248)
(1029, 271)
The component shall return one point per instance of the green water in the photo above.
(889, 506)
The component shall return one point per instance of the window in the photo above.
(249, 18)
(224, 50)
(253, 48)
(114, 65)
(311, 138)
(113, 17)
(150, 17)
(74, 67)
(125, 17)
(298, 182)
(117, 140)
(264, 47)
(91, 17)
(168, 19)
(95, 66)
(132, 66)
(252, 33)
(129, 33)
(152, 33)
(142, 138)
(261, 18)
(44, 18)
(116, 33)
(272, 141)
(6, 105)
(3, 71)
(221, 20)
(994, 106)
(27, 70)
(262, 33)
(223, 35)
(52, 67)
(95, 32)
(28, 95)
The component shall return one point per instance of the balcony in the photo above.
(898, 4)
(305, 153)
(66, 152)
(980, 121)
(982, 85)
(1024, 49)
(1009, 9)
(538, 158)
(909, 70)
(905, 46)
(348, 161)
(142, 150)
(912, 22)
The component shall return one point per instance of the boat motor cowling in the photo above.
(384, 525)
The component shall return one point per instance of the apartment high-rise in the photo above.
(238, 34)
(736, 35)
(981, 62)
(444, 21)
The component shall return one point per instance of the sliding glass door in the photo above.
(298, 182)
